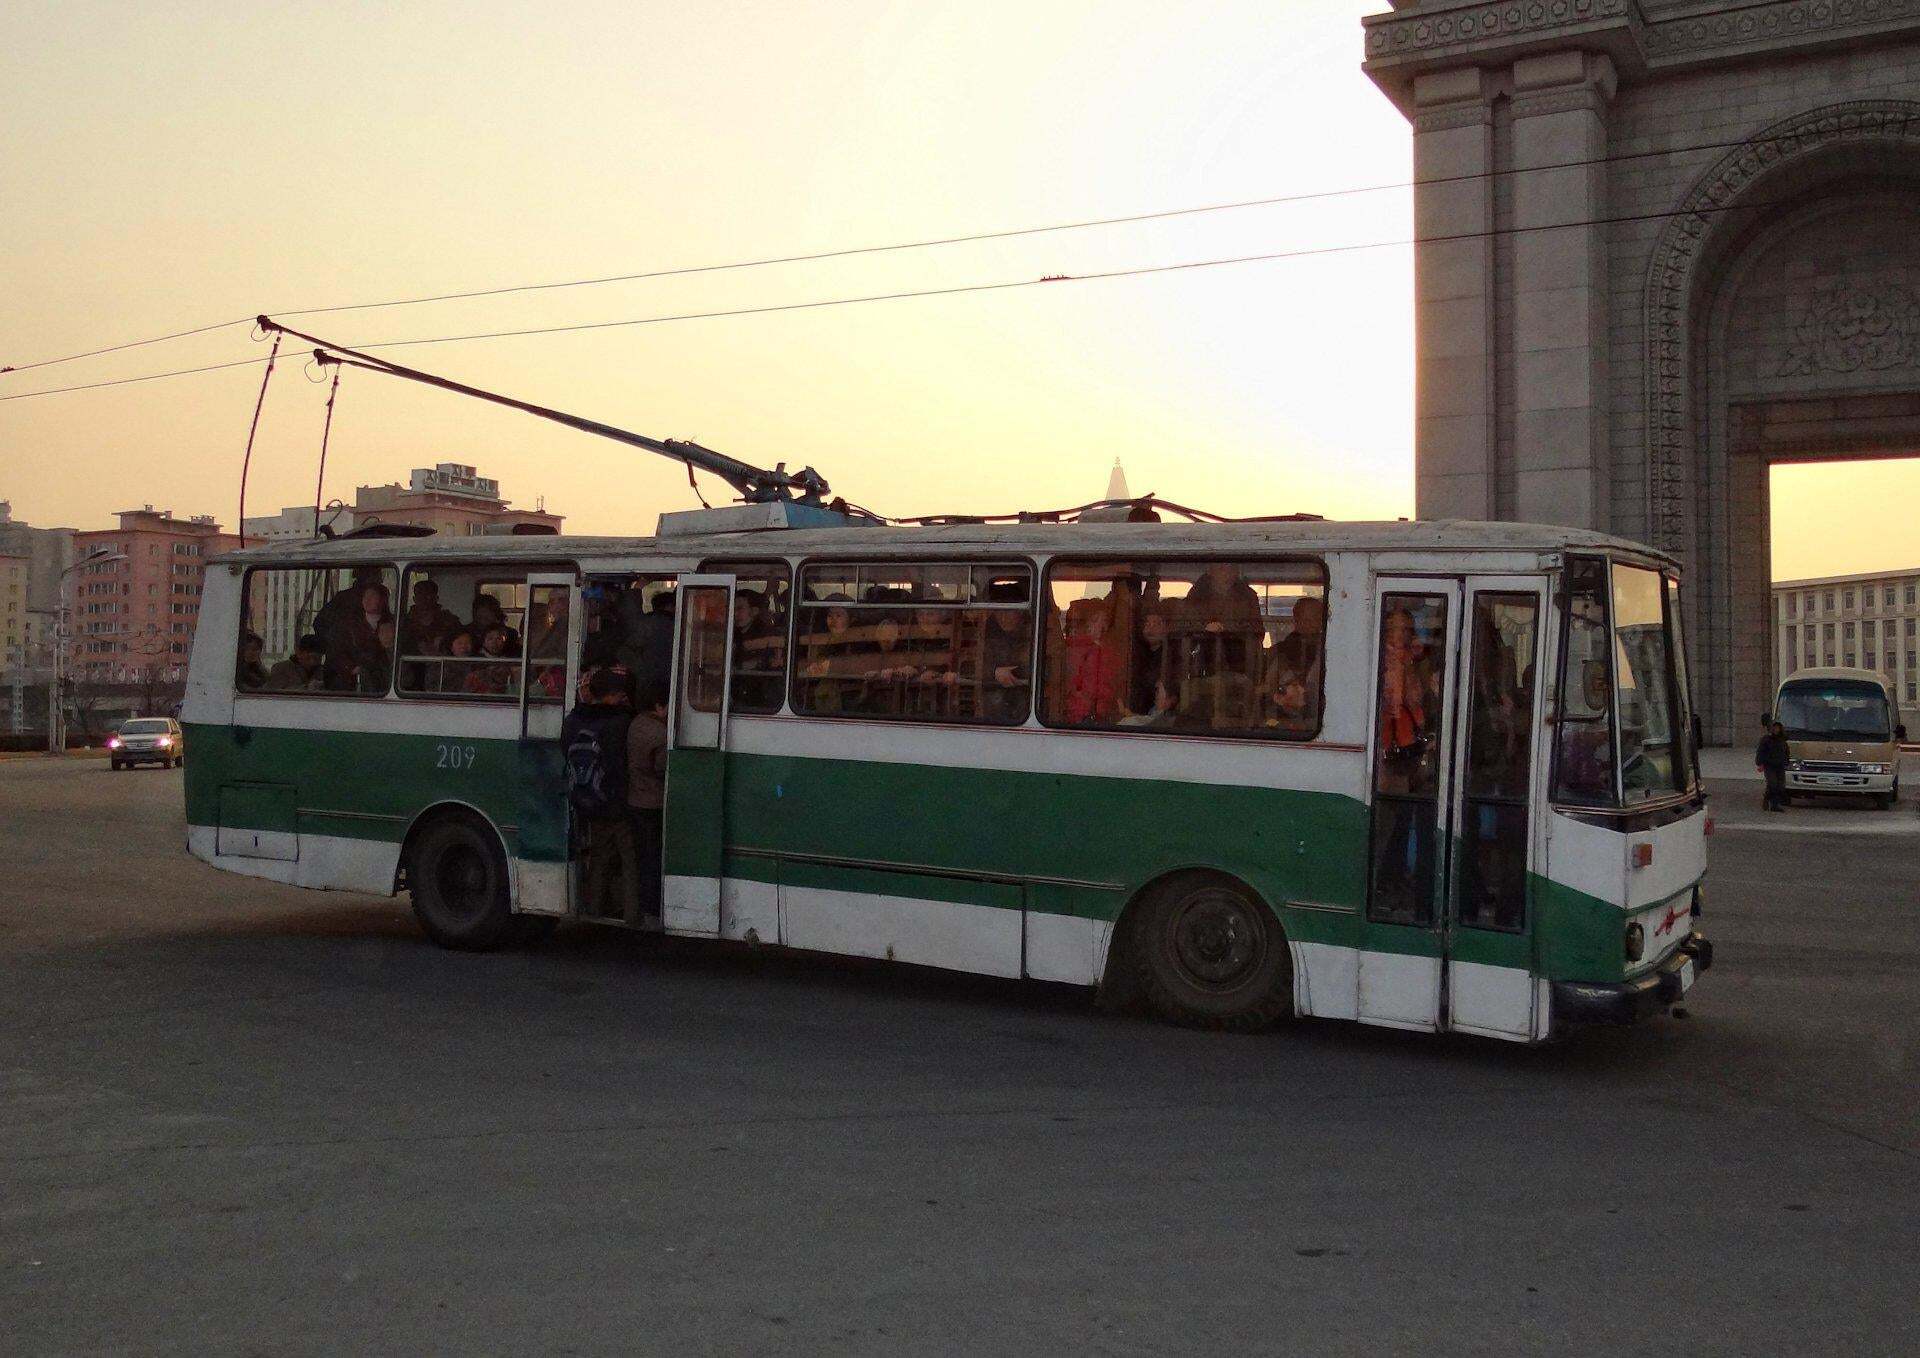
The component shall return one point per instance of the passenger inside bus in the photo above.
(375, 669)
(428, 627)
(494, 679)
(251, 674)
(301, 671)
(1008, 655)
(1093, 684)
(487, 615)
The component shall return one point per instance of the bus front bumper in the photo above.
(1656, 989)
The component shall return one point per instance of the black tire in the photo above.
(1209, 954)
(458, 877)
(117, 765)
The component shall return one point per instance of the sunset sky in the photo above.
(175, 166)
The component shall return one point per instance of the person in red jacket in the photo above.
(1093, 688)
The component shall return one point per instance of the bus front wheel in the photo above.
(459, 880)
(1210, 955)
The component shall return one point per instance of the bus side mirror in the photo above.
(1699, 733)
(1900, 733)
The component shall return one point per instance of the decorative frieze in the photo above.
(1785, 21)
(1404, 35)
(1463, 33)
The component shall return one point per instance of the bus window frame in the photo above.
(435, 563)
(1674, 620)
(1151, 557)
(1617, 809)
(735, 566)
(330, 694)
(1676, 713)
(1564, 632)
(1034, 568)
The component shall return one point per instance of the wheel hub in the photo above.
(1214, 939)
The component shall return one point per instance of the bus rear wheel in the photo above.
(1210, 955)
(459, 881)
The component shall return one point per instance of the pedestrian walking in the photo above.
(1771, 759)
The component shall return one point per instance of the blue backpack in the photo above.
(596, 765)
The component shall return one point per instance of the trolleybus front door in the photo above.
(1401, 960)
(546, 685)
(1490, 986)
(694, 823)
(1456, 712)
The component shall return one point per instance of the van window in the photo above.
(317, 630)
(1222, 647)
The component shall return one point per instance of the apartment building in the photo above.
(132, 619)
(15, 568)
(1868, 621)
(450, 498)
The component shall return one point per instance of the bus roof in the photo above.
(1318, 536)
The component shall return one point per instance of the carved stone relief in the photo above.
(1868, 326)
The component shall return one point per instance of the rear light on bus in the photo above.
(1636, 942)
(1643, 855)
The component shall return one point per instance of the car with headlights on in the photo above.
(147, 740)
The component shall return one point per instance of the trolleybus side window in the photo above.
(759, 634)
(1493, 871)
(1583, 761)
(463, 629)
(1406, 766)
(1195, 647)
(309, 629)
(925, 641)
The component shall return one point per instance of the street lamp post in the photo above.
(56, 704)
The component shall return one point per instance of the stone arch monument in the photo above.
(1663, 245)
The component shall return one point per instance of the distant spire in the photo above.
(1117, 483)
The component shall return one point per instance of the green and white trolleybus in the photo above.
(1428, 775)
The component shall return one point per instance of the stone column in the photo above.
(1558, 289)
(1453, 296)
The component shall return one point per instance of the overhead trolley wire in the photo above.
(933, 242)
(1137, 271)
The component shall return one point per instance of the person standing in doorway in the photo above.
(1771, 759)
(594, 740)
(646, 798)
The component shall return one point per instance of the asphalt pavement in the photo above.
(242, 1118)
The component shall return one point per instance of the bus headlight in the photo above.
(1873, 768)
(1794, 764)
(1636, 942)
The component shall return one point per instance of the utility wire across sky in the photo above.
(1009, 233)
(1004, 285)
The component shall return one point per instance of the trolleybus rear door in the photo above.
(1497, 753)
(695, 829)
(549, 672)
(1400, 968)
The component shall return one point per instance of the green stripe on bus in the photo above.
(1055, 843)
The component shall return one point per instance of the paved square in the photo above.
(241, 1118)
